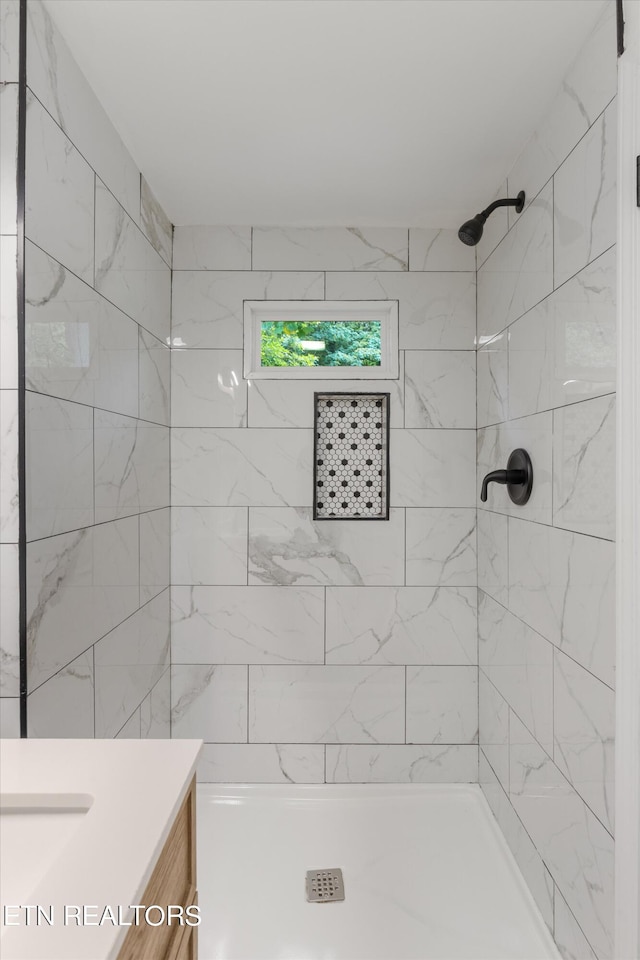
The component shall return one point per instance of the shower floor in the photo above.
(426, 875)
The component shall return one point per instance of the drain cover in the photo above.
(325, 885)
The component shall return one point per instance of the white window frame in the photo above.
(383, 311)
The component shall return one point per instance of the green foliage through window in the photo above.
(353, 343)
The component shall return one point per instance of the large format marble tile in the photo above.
(155, 550)
(155, 377)
(155, 710)
(128, 663)
(208, 389)
(584, 443)
(437, 311)
(209, 702)
(247, 625)
(287, 547)
(129, 272)
(519, 273)
(79, 586)
(432, 468)
(78, 345)
(8, 157)
(9, 621)
(563, 585)
(227, 467)
(60, 85)
(493, 545)
(330, 248)
(63, 706)
(442, 704)
(564, 349)
(585, 199)
(576, 848)
(209, 545)
(441, 547)
(59, 467)
(261, 763)
(571, 941)
(584, 732)
(59, 211)
(9, 40)
(519, 664)
(493, 728)
(212, 248)
(10, 717)
(439, 249)
(400, 763)
(417, 625)
(9, 505)
(326, 704)
(131, 466)
(155, 223)
(440, 388)
(132, 728)
(493, 381)
(8, 313)
(207, 306)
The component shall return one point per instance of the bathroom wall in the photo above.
(546, 382)
(98, 281)
(306, 651)
(9, 610)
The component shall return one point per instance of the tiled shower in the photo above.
(177, 583)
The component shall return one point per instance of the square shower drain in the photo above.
(325, 885)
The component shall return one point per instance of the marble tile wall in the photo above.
(313, 651)
(98, 277)
(546, 616)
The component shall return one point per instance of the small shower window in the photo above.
(324, 339)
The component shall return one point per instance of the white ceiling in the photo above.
(357, 112)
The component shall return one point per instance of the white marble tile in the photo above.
(440, 388)
(519, 664)
(128, 270)
(439, 249)
(571, 941)
(155, 549)
(585, 199)
(9, 517)
(208, 389)
(418, 625)
(155, 223)
(9, 40)
(493, 728)
(493, 544)
(209, 702)
(564, 349)
(63, 706)
(10, 717)
(584, 443)
(437, 311)
(496, 443)
(78, 345)
(441, 547)
(8, 157)
(155, 710)
(584, 733)
(131, 466)
(59, 211)
(261, 763)
(207, 306)
(527, 857)
(8, 314)
(222, 468)
(155, 379)
(287, 547)
(209, 545)
(128, 663)
(9, 621)
(330, 248)
(563, 585)
(442, 704)
(79, 586)
(493, 381)
(236, 625)
(131, 730)
(59, 466)
(212, 248)
(326, 704)
(432, 468)
(361, 763)
(60, 85)
(575, 846)
(519, 273)
(496, 226)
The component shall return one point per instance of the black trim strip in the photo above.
(22, 483)
(620, 25)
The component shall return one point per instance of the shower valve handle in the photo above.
(501, 476)
(518, 477)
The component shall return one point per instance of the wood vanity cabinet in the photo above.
(173, 881)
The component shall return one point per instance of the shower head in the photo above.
(471, 231)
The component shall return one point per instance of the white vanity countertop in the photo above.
(136, 789)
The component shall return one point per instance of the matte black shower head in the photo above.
(471, 231)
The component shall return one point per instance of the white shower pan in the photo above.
(427, 876)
